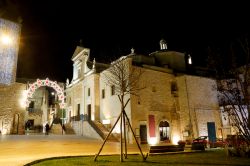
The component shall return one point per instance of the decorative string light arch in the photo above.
(53, 84)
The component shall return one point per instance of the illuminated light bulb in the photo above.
(152, 141)
(6, 40)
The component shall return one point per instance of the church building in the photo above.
(174, 104)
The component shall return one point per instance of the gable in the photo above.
(77, 51)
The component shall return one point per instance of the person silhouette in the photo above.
(47, 129)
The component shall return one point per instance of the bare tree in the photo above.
(123, 78)
(234, 91)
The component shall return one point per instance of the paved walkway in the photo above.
(16, 150)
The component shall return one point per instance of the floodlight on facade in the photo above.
(6, 39)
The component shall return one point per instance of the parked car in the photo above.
(235, 140)
(201, 140)
(218, 143)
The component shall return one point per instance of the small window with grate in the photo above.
(174, 87)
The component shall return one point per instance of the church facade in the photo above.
(172, 106)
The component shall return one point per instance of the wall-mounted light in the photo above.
(176, 138)
(189, 59)
(152, 140)
(23, 99)
(6, 39)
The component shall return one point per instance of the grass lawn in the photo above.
(211, 157)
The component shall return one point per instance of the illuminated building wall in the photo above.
(203, 104)
(12, 111)
(9, 41)
(171, 106)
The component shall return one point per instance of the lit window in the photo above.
(189, 59)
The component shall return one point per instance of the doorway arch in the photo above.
(39, 83)
(164, 130)
(39, 119)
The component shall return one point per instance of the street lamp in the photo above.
(6, 39)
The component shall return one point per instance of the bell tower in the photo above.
(80, 58)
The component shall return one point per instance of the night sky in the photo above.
(51, 30)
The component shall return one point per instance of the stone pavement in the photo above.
(18, 150)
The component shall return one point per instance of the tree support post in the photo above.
(107, 137)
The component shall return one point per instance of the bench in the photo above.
(165, 148)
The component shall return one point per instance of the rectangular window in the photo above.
(78, 109)
(89, 111)
(103, 93)
(31, 104)
(88, 91)
(78, 112)
(112, 90)
(174, 87)
(31, 107)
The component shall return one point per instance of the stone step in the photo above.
(56, 129)
(101, 126)
(105, 131)
(69, 129)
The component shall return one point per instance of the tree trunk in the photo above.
(144, 158)
(121, 157)
(107, 137)
(125, 136)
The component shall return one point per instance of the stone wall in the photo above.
(178, 107)
(199, 104)
(110, 106)
(83, 128)
(78, 94)
(74, 97)
(12, 114)
(90, 82)
(155, 99)
(183, 105)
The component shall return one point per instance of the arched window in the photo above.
(164, 131)
(163, 44)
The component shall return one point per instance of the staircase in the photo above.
(103, 131)
(56, 129)
(68, 129)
